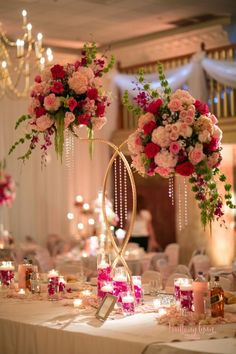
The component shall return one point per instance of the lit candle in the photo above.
(86, 292)
(107, 288)
(103, 264)
(86, 206)
(29, 29)
(42, 63)
(162, 312)
(128, 299)
(120, 277)
(156, 303)
(4, 64)
(53, 273)
(79, 199)
(6, 265)
(77, 302)
(21, 292)
(39, 40)
(18, 45)
(24, 14)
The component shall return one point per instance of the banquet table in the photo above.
(44, 327)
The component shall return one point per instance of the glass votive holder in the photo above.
(6, 273)
(177, 282)
(53, 285)
(120, 282)
(137, 283)
(35, 283)
(106, 288)
(62, 285)
(186, 295)
(128, 303)
(155, 287)
(103, 272)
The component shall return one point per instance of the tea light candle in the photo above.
(103, 265)
(107, 288)
(77, 303)
(53, 273)
(128, 299)
(162, 312)
(86, 292)
(6, 265)
(120, 277)
(21, 292)
(156, 303)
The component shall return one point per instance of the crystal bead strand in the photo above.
(121, 194)
(185, 202)
(171, 189)
(180, 207)
(115, 187)
(125, 194)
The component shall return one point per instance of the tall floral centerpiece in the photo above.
(65, 98)
(177, 134)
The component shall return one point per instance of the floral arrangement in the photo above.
(66, 97)
(7, 187)
(177, 134)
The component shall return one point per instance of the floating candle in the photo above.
(156, 303)
(6, 265)
(77, 302)
(21, 292)
(86, 292)
(107, 288)
(53, 273)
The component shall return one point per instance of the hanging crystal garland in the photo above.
(120, 194)
(185, 202)
(115, 187)
(179, 207)
(125, 195)
(171, 190)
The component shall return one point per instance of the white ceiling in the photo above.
(67, 23)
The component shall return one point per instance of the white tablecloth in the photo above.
(42, 327)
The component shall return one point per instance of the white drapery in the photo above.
(192, 74)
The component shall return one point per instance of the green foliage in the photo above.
(21, 119)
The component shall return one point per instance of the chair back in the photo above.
(170, 281)
(150, 275)
(201, 263)
(183, 269)
(44, 260)
(172, 251)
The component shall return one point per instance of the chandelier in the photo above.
(19, 60)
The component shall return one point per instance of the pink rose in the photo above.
(38, 89)
(135, 143)
(213, 118)
(51, 102)
(78, 82)
(174, 136)
(189, 120)
(175, 147)
(214, 144)
(214, 160)
(201, 107)
(164, 171)
(69, 118)
(98, 123)
(185, 130)
(144, 119)
(175, 105)
(182, 115)
(217, 132)
(44, 122)
(196, 154)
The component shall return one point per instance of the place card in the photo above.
(106, 307)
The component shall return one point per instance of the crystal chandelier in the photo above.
(20, 59)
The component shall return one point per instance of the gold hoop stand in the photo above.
(119, 251)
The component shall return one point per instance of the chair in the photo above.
(201, 263)
(162, 265)
(43, 259)
(181, 268)
(172, 252)
(155, 258)
(150, 275)
(226, 283)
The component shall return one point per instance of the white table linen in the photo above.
(42, 327)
